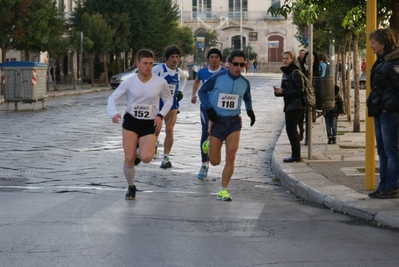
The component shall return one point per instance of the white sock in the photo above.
(129, 174)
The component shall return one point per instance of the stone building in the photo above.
(240, 24)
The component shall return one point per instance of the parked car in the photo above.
(117, 79)
(362, 82)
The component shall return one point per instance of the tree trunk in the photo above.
(73, 70)
(394, 19)
(118, 62)
(27, 55)
(55, 79)
(92, 69)
(105, 70)
(346, 97)
(3, 58)
(356, 107)
(347, 81)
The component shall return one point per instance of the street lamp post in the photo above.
(81, 60)
(241, 40)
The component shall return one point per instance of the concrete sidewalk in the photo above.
(69, 91)
(334, 177)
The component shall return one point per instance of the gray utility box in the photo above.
(24, 82)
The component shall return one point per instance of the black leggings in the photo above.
(292, 119)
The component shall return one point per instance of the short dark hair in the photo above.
(384, 36)
(236, 53)
(170, 50)
(214, 51)
(144, 53)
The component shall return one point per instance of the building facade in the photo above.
(242, 23)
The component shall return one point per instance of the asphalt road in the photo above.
(62, 197)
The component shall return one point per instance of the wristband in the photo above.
(160, 115)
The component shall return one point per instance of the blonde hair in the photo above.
(290, 53)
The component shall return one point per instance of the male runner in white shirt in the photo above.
(142, 117)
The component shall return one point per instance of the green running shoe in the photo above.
(223, 195)
(205, 146)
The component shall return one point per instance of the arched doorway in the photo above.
(236, 42)
(275, 46)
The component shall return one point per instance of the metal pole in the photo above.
(81, 60)
(370, 136)
(181, 13)
(309, 119)
(241, 40)
(331, 68)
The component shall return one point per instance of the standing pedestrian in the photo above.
(195, 70)
(363, 67)
(142, 117)
(294, 106)
(221, 97)
(304, 65)
(176, 80)
(214, 59)
(383, 105)
(323, 65)
(302, 53)
(255, 66)
(331, 117)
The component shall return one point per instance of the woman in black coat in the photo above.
(294, 105)
(383, 105)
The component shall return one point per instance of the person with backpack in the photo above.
(291, 90)
(315, 73)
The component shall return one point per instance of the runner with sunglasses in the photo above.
(221, 96)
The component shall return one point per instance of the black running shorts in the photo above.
(140, 127)
(225, 126)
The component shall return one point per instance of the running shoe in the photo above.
(223, 195)
(203, 173)
(165, 164)
(137, 160)
(205, 146)
(131, 192)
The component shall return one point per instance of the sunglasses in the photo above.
(236, 64)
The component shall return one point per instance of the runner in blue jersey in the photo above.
(176, 80)
(221, 96)
(214, 59)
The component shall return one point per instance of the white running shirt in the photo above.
(139, 94)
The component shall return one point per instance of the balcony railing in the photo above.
(233, 15)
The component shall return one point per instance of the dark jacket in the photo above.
(338, 109)
(292, 87)
(384, 80)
